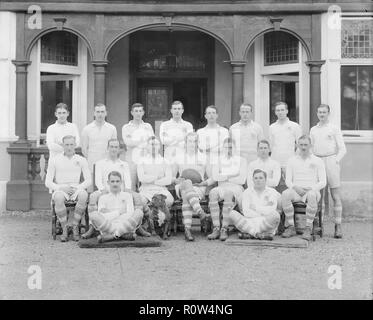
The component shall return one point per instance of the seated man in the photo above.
(230, 173)
(191, 194)
(63, 178)
(305, 177)
(116, 216)
(260, 218)
(155, 173)
(102, 169)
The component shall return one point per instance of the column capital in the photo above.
(315, 64)
(237, 63)
(21, 65)
(100, 63)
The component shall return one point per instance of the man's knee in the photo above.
(228, 196)
(59, 199)
(312, 197)
(82, 196)
(214, 194)
(93, 198)
(287, 196)
(186, 185)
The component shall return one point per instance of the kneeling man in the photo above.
(305, 177)
(260, 218)
(116, 216)
(63, 178)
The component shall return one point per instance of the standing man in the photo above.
(60, 129)
(283, 135)
(328, 144)
(212, 136)
(265, 163)
(246, 133)
(135, 136)
(63, 178)
(305, 177)
(95, 136)
(172, 133)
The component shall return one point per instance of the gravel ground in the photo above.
(179, 270)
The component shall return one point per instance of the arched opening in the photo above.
(276, 71)
(158, 64)
(59, 72)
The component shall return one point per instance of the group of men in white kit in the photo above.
(226, 161)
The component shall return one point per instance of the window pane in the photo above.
(60, 47)
(357, 38)
(280, 47)
(357, 97)
(52, 93)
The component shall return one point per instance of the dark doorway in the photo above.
(157, 96)
(286, 91)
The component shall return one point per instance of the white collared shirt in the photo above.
(135, 138)
(327, 140)
(95, 139)
(64, 171)
(105, 166)
(172, 134)
(151, 169)
(269, 166)
(264, 202)
(210, 140)
(123, 201)
(55, 133)
(246, 137)
(306, 173)
(283, 138)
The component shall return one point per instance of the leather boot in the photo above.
(223, 234)
(265, 236)
(289, 232)
(89, 233)
(188, 235)
(215, 234)
(131, 236)
(338, 231)
(141, 232)
(76, 235)
(244, 236)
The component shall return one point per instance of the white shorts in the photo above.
(73, 197)
(333, 171)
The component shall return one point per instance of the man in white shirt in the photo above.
(60, 129)
(211, 137)
(283, 135)
(328, 144)
(63, 178)
(247, 133)
(116, 216)
(305, 177)
(154, 173)
(95, 136)
(172, 132)
(230, 172)
(260, 218)
(135, 136)
(265, 163)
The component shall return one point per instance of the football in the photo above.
(192, 175)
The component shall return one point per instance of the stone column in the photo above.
(18, 188)
(99, 70)
(237, 88)
(315, 88)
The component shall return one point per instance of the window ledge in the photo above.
(357, 138)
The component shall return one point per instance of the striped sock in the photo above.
(310, 215)
(240, 222)
(289, 215)
(130, 224)
(187, 214)
(215, 213)
(62, 216)
(192, 197)
(227, 208)
(78, 213)
(337, 214)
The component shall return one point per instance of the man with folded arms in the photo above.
(63, 178)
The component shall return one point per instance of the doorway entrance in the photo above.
(157, 96)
